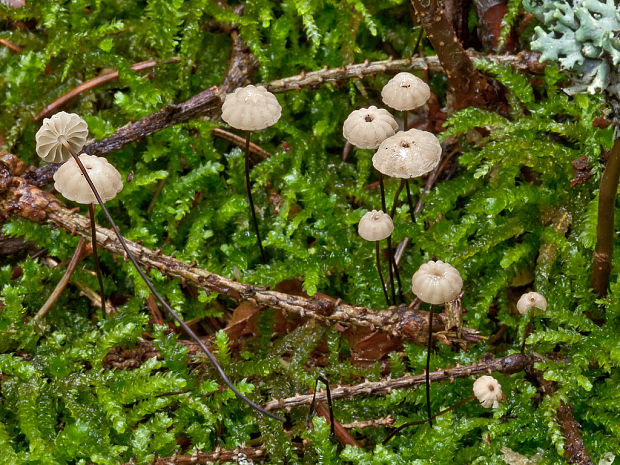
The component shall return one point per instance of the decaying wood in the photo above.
(510, 364)
(574, 448)
(218, 456)
(19, 198)
(469, 87)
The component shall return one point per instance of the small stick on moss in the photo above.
(11, 46)
(510, 364)
(601, 266)
(51, 300)
(240, 142)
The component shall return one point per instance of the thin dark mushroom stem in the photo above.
(172, 313)
(395, 203)
(421, 422)
(93, 235)
(383, 287)
(248, 188)
(410, 201)
(405, 120)
(527, 330)
(389, 241)
(428, 366)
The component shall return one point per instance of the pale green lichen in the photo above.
(583, 36)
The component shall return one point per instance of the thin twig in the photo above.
(240, 142)
(218, 456)
(94, 82)
(93, 241)
(11, 46)
(51, 300)
(510, 364)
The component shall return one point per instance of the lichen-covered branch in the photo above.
(601, 267)
(218, 456)
(510, 364)
(19, 198)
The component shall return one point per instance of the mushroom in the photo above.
(526, 302)
(376, 226)
(72, 184)
(531, 300)
(366, 128)
(435, 283)
(488, 391)
(408, 154)
(70, 181)
(62, 128)
(251, 108)
(405, 92)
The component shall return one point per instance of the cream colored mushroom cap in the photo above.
(405, 92)
(366, 128)
(50, 136)
(531, 300)
(251, 108)
(436, 282)
(488, 391)
(408, 154)
(70, 181)
(375, 226)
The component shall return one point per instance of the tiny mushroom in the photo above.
(251, 108)
(436, 282)
(408, 154)
(366, 128)
(61, 128)
(375, 226)
(531, 300)
(405, 92)
(70, 181)
(488, 391)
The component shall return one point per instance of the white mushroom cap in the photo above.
(408, 154)
(488, 391)
(375, 226)
(62, 125)
(251, 108)
(531, 300)
(405, 92)
(366, 128)
(436, 282)
(70, 181)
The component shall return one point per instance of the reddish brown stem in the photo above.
(51, 300)
(470, 88)
(92, 83)
(601, 267)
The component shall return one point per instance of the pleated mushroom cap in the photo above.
(531, 300)
(70, 181)
(366, 128)
(375, 226)
(405, 92)
(436, 283)
(408, 154)
(251, 108)
(61, 126)
(488, 391)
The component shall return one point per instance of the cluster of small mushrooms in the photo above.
(405, 155)
(90, 180)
